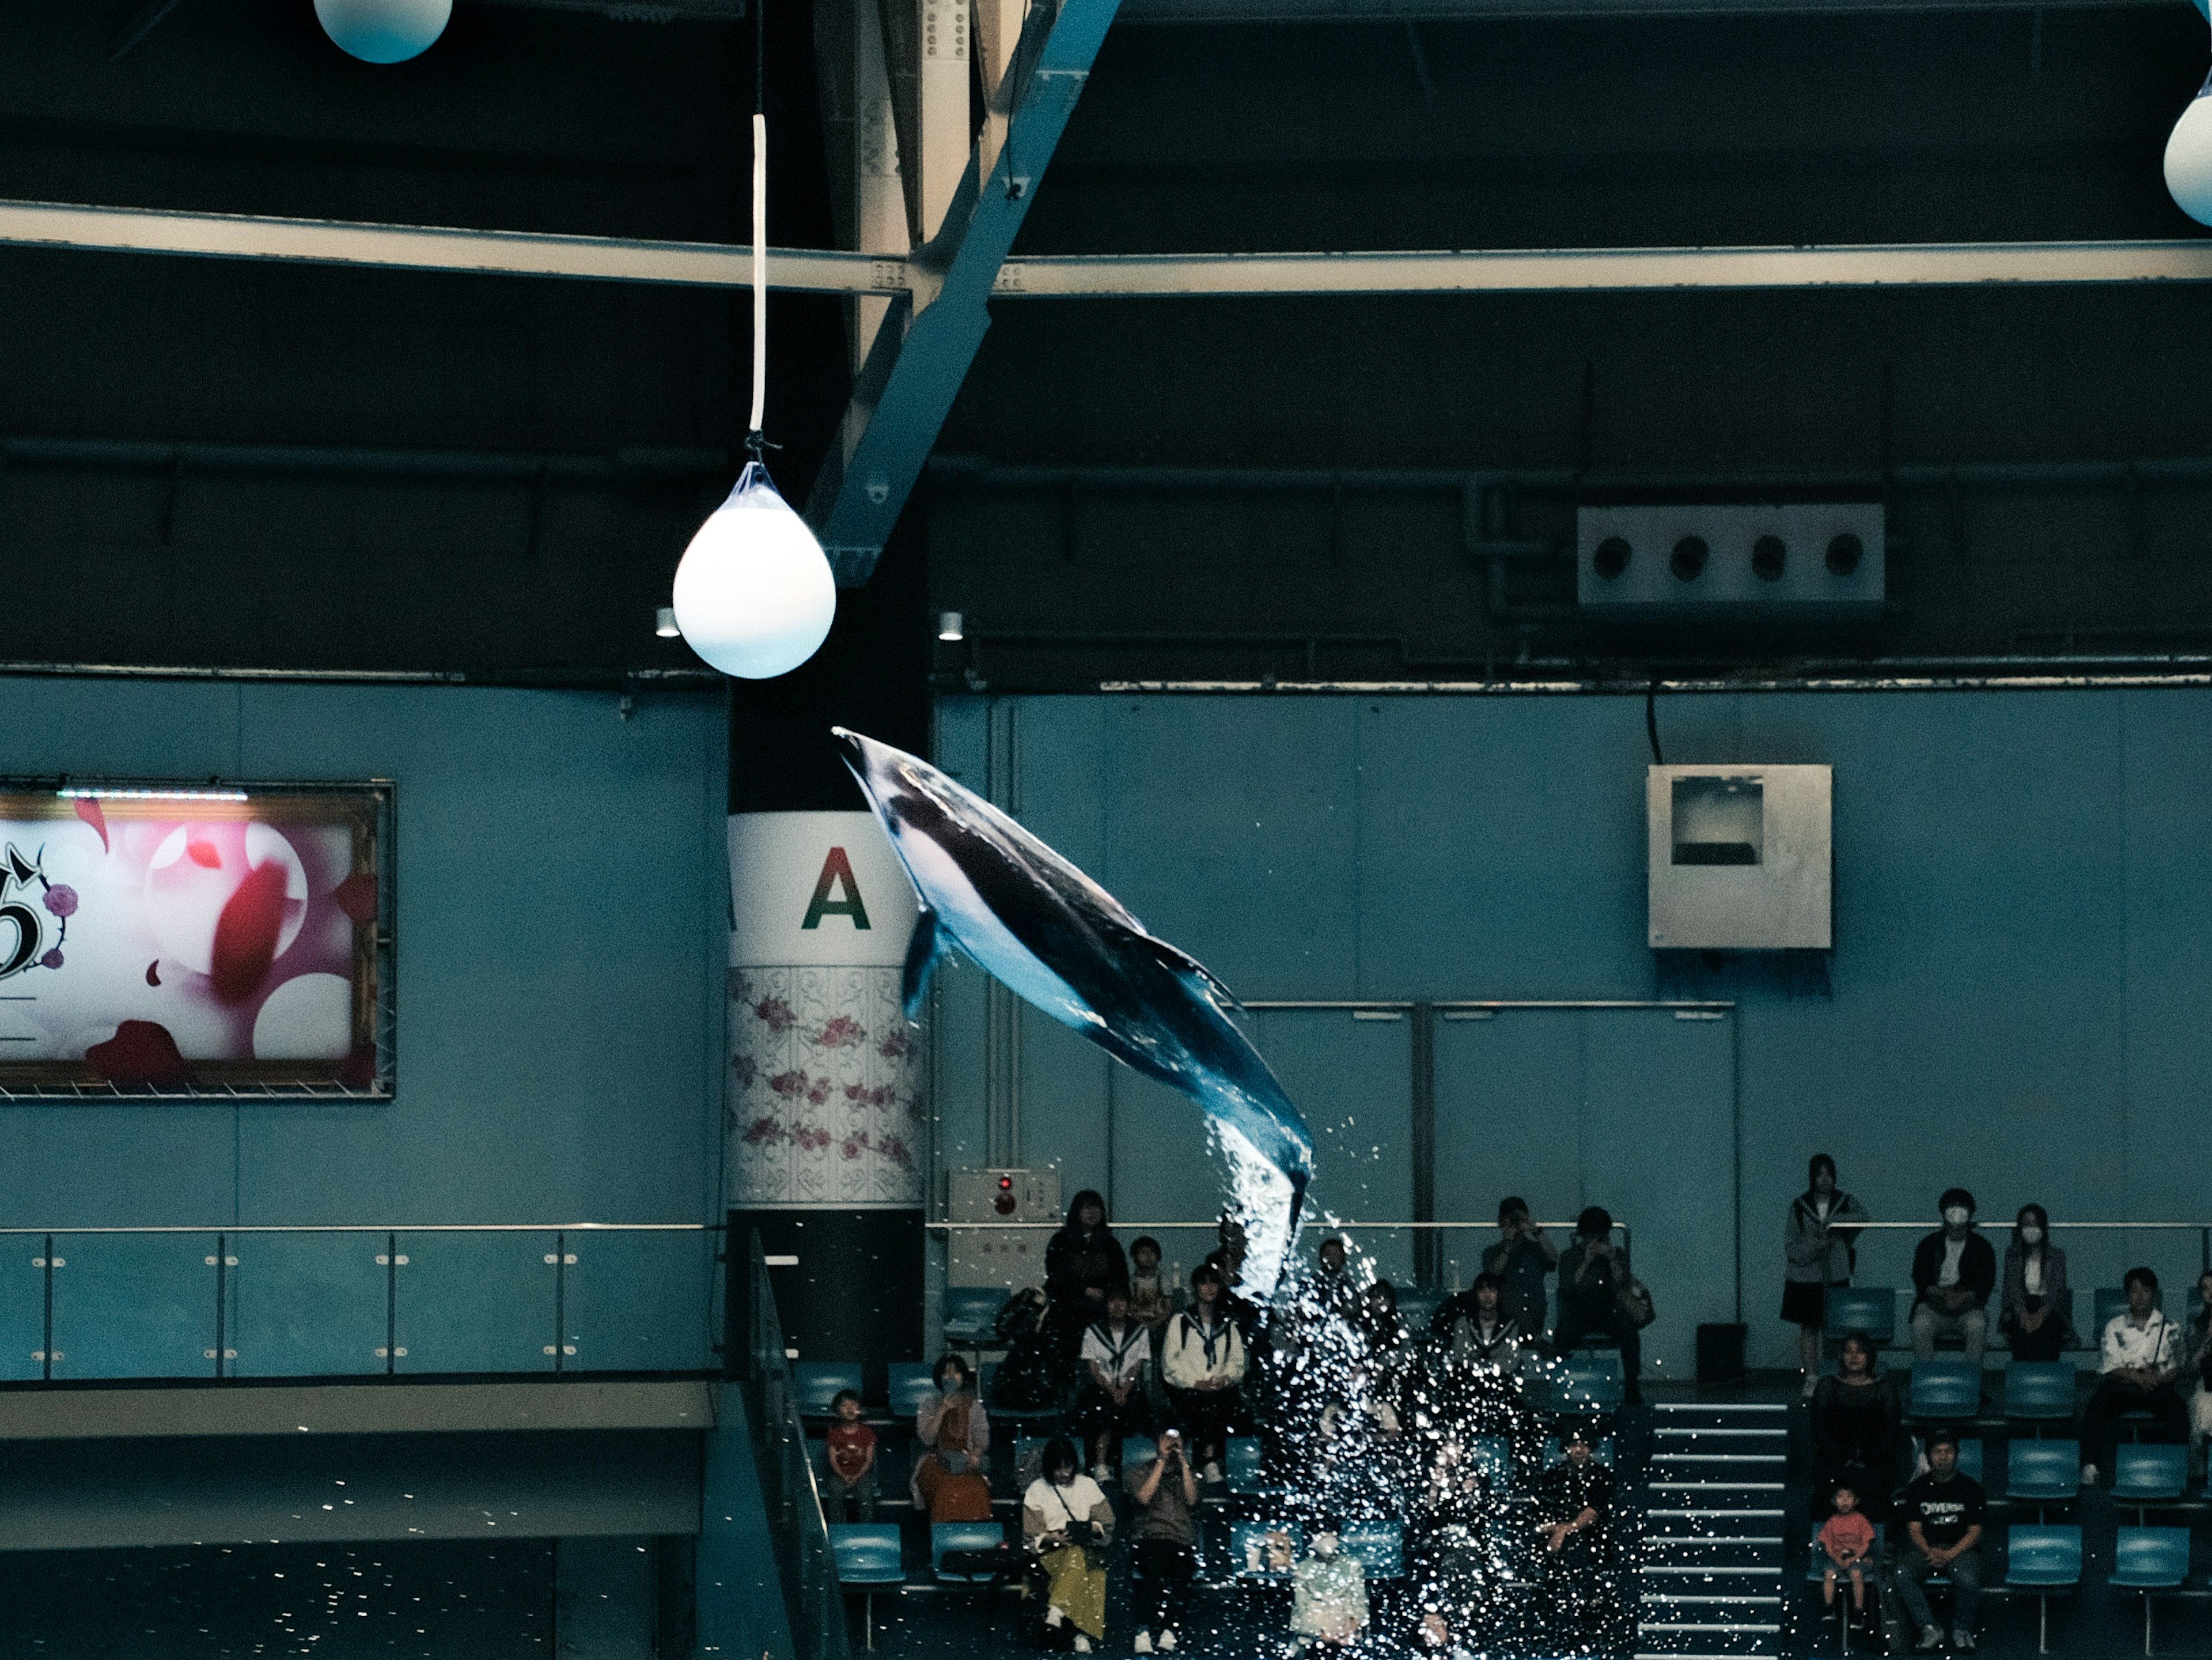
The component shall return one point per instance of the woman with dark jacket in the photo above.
(1816, 1254)
(1858, 1425)
(1082, 1262)
(2038, 1308)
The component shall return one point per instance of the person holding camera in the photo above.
(1166, 1536)
(1067, 1522)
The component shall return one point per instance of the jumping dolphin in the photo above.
(1058, 941)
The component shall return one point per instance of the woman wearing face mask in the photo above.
(2039, 1307)
(1816, 1254)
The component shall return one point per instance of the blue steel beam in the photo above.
(912, 375)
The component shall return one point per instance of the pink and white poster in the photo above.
(183, 941)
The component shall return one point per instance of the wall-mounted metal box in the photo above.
(1009, 1257)
(1739, 858)
(1807, 557)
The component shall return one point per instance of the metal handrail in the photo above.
(396, 1227)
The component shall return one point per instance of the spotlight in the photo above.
(1844, 555)
(754, 595)
(1768, 556)
(948, 626)
(2189, 159)
(384, 31)
(1688, 560)
(664, 623)
(1612, 557)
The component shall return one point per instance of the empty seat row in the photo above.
(815, 1383)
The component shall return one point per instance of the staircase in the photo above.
(1714, 1566)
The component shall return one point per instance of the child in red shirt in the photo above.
(852, 1492)
(1848, 1537)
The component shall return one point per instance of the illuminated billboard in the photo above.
(194, 941)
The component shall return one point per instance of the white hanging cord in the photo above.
(760, 270)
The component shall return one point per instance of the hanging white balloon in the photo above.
(384, 31)
(754, 594)
(2189, 158)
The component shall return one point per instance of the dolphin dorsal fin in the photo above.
(1182, 963)
(921, 954)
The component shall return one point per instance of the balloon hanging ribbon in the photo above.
(753, 439)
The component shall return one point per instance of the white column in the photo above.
(945, 120)
(878, 195)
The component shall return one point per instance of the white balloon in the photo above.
(754, 595)
(2188, 159)
(384, 31)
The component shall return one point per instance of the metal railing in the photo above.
(807, 1565)
(82, 1304)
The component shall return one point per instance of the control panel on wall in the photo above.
(1739, 858)
(1001, 1255)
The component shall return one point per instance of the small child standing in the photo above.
(1848, 1537)
(852, 1463)
(1151, 1304)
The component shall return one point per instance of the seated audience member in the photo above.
(1068, 1523)
(1243, 1313)
(1521, 1259)
(1448, 1547)
(1083, 1261)
(2037, 1310)
(1116, 1353)
(1848, 1539)
(2139, 1364)
(1942, 1513)
(1954, 1271)
(1035, 1376)
(1381, 1330)
(1593, 1279)
(1816, 1254)
(1330, 1288)
(1574, 1501)
(1165, 1560)
(1475, 1328)
(1328, 1602)
(2196, 1370)
(1150, 1300)
(952, 1434)
(1202, 1363)
(852, 1448)
(1858, 1425)
(1357, 1444)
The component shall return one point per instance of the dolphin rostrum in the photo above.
(1058, 941)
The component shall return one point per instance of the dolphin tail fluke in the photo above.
(921, 954)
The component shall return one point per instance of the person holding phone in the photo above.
(1521, 1259)
(1067, 1522)
(1166, 1556)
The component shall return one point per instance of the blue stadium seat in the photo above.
(815, 1383)
(2039, 1391)
(911, 1384)
(1944, 1389)
(970, 1311)
(1494, 1453)
(2146, 1472)
(1592, 1385)
(1247, 1547)
(1817, 1569)
(1008, 1415)
(2044, 1557)
(1869, 1309)
(2147, 1560)
(1378, 1546)
(867, 1552)
(2043, 1472)
(1602, 1452)
(1136, 1451)
(946, 1536)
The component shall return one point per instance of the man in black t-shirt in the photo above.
(1942, 1513)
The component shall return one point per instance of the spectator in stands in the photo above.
(1328, 1602)
(1150, 1299)
(1116, 1353)
(952, 1434)
(2197, 1367)
(852, 1449)
(1574, 1501)
(2037, 1309)
(1082, 1262)
(1475, 1328)
(1942, 1513)
(2140, 1364)
(1858, 1425)
(1165, 1560)
(1816, 1253)
(1202, 1362)
(1449, 1547)
(1594, 1279)
(1521, 1259)
(1331, 1288)
(1848, 1538)
(1242, 1310)
(1380, 1327)
(1068, 1520)
(1954, 1271)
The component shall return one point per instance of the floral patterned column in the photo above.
(826, 1103)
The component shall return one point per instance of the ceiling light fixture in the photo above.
(949, 626)
(754, 594)
(384, 31)
(663, 623)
